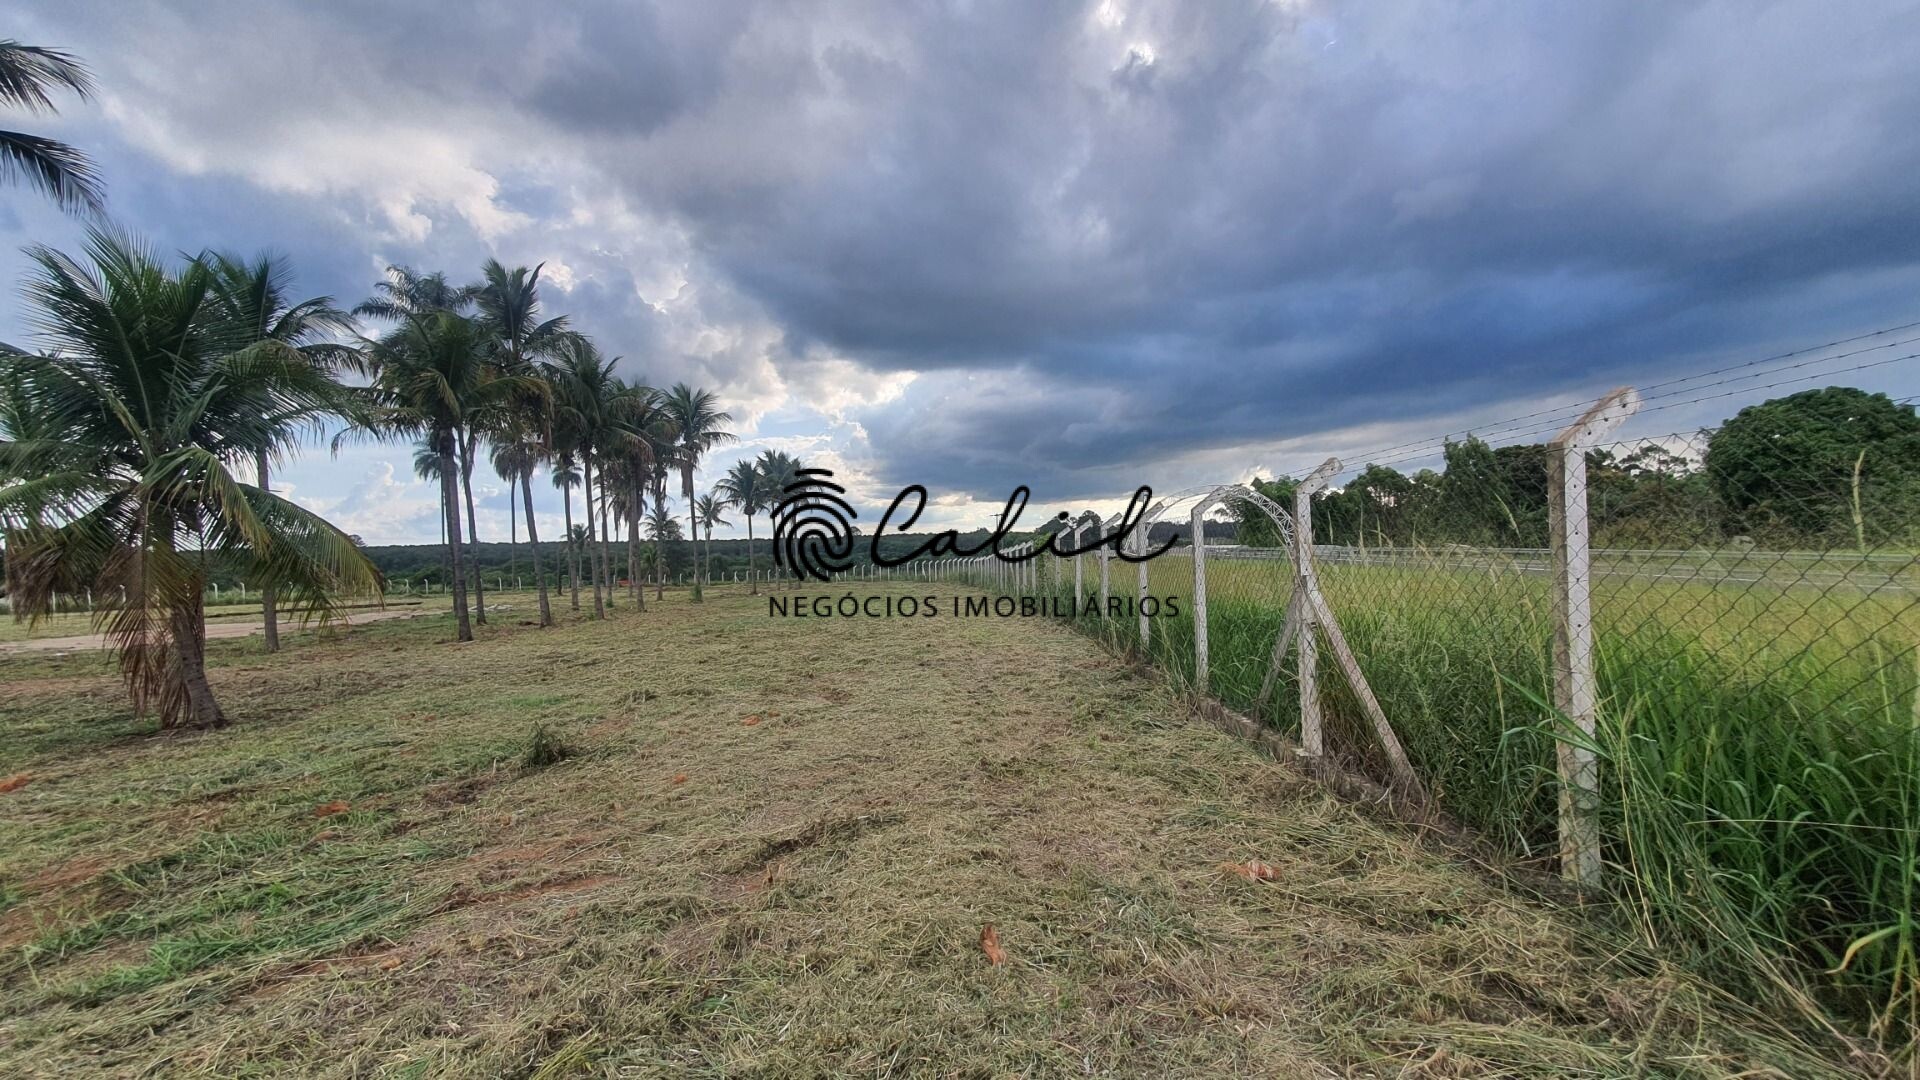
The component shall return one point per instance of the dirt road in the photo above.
(80, 642)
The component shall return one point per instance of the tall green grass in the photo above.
(1759, 750)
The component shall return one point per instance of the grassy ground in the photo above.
(766, 847)
(1759, 750)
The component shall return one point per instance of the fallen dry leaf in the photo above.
(680, 778)
(990, 944)
(15, 782)
(337, 806)
(1252, 870)
(751, 720)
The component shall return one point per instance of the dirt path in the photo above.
(216, 631)
(770, 847)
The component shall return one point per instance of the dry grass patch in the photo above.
(685, 893)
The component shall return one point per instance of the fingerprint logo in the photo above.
(813, 526)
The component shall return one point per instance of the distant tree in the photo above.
(746, 487)
(710, 510)
(697, 421)
(566, 477)
(1797, 468)
(1252, 526)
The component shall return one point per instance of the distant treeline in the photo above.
(1822, 469)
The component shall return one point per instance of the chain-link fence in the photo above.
(1684, 664)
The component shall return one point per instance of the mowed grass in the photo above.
(1759, 740)
(702, 841)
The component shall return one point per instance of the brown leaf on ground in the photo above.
(15, 782)
(990, 944)
(751, 720)
(1252, 870)
(337, 806)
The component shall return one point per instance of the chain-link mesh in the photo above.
(1755, 621)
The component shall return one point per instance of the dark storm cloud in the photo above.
(1145, 229)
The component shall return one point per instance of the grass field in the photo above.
(700, 841)
(1759, 742)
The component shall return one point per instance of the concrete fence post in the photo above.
(1198, 527)
(1574, 691)
(1140, 568)
(1312, 731)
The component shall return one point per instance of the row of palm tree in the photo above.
(127, 443)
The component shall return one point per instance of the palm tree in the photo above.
(124, 484)
(517, 449)
(661, 529)
(745, 486)
(251, 298)
(566, 477)
(696, 418)
(431, 378)
(509, 302)
(591, 406)
(708, 510)
(780, 469)
(27, 74)
(426, 466)
(406, 293)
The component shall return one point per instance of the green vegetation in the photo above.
(28, 75)
(773, 851)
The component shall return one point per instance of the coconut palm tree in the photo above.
(566, 477)
(27, 75)
(509, 303)
(780, 469)
(708, 510)
(432, 377)
(139, 413)
(745, 486)
(426, 466)
(697, 420)
(591, 409)
(662, 529)
(517, 449)
(406, 293)
(252, 298)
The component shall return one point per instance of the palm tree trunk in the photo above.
(633, 549)
(573, 549)
(189, 628)
(593, 554)
(606, 540)
(270, 616)
(450, 501)
(753, 583)
(473, 532)
(709, 570)
(693, 527)
(533, 541)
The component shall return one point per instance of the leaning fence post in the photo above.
(1312, 732)
(1199, 530)
(1574, 692)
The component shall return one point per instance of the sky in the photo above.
(1080, 247)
